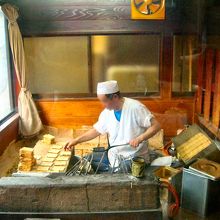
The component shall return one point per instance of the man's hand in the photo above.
(89, 135)
(70, 144)
(150, 132)
(135, 142)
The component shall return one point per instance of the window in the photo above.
(185, 56)
(132, 60)
(57, 65)
(71, 66)
(6, 97)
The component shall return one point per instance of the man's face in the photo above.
(108, 103)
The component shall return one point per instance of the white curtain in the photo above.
(30, 123)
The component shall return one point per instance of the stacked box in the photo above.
(27, 160)
(48, 139)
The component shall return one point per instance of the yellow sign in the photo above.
(148, 9)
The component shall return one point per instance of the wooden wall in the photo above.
(208, 93)
(67, 17)
(8, 132)
(85, 17)
(76, 113)
(80, 17)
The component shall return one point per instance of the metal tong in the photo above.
(85, 162)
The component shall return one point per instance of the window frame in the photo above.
(181, 94)
(10, 75)
(92, 94)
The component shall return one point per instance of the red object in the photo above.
(166, 148)
(174, 207)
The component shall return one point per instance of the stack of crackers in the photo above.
(193, 146)
(27, 160)
(56, 160)
(48, 139)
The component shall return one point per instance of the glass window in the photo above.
(61, 65)
(57, 64)
(6, 97)
(132, 60)
(185, 58)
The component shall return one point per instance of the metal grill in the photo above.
(84, 165)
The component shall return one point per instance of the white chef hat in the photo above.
(107, 87)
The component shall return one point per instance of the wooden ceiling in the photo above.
(56, 17)
(67, 17)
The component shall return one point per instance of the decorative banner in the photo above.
(148, 9)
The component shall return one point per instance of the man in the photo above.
(126, 121)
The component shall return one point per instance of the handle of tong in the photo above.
(120, 145)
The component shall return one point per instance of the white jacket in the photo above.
(135, 119)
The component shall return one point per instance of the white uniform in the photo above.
(135, 119)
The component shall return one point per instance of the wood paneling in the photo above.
(39, 18)
(76, 113)
(42, 28)
(199, 91)
(210, 127)
(208, 86)
(209, 111)
(8, 132)
(213, 20)
(216, 99)
(166, 67)
(79, 17)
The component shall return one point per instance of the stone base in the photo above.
(78, 194)
(153, 214)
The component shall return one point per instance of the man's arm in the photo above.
(87, 136)
(150, 132)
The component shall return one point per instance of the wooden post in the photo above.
(200, 84)
(166, 77)
(209, 67)
(216, 99)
